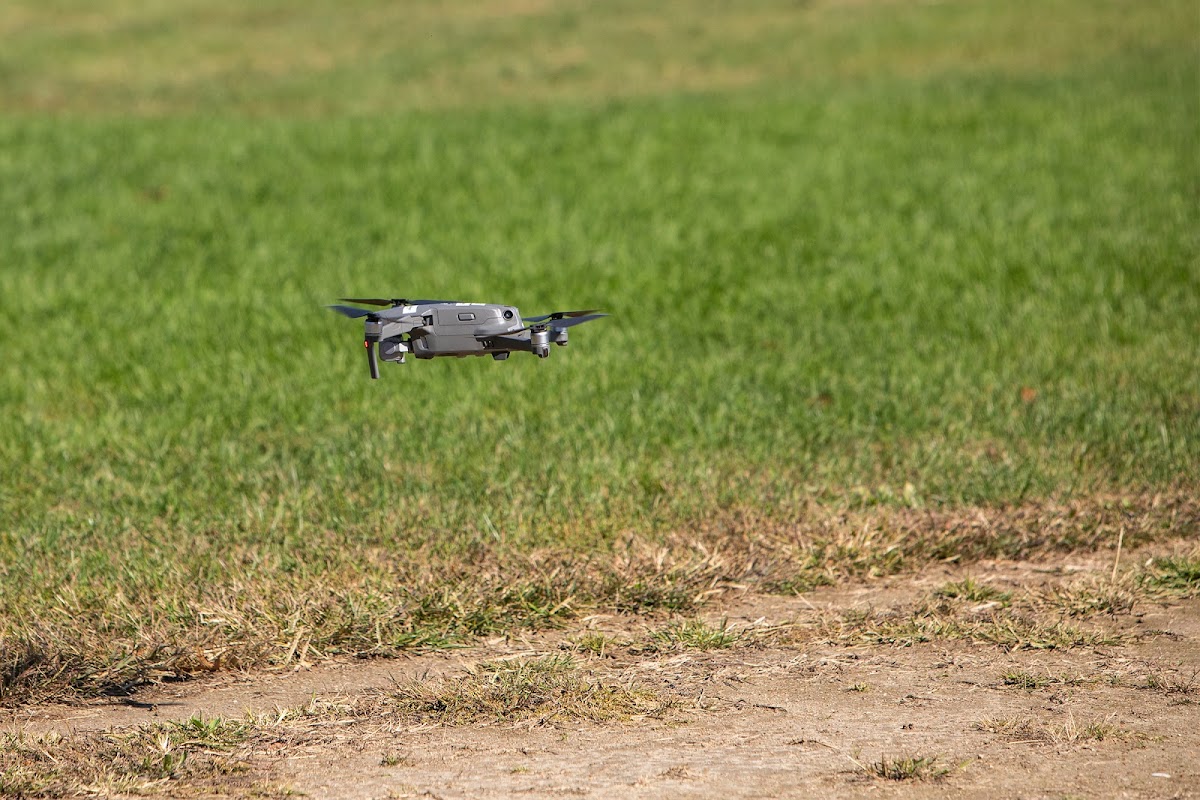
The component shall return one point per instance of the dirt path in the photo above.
(806, 702)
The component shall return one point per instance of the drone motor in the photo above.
(539, 342)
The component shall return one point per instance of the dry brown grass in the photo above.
(538, 691)
(1069, 731)
(427, 600)
(154, 57)
(1008, 630)
(200, 757)
(193, 758)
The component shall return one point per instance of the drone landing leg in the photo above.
(371, 361)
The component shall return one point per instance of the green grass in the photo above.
(696, 634)
(1179, 575)
(970, 590)
(855, 256)
(1027, 680)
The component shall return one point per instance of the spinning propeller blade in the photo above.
(559, 325)
(351, 311)
(395, 301)
(560, 315)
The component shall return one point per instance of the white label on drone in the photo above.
(408, 309)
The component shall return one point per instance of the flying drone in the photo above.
(432, 328)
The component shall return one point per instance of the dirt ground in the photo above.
(775, 714)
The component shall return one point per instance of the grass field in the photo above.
(865, 262)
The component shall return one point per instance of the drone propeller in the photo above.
(558, 325)
(351, 311)
(395, 301)
(556, 315)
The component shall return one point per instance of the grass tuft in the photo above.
(1026, 680)
(396, 759)
(1007, 630)
(971, 590)
(1032, 682)
(1174, 684)
(1177, 575)
(696, 634)
(197, 752)
(1026, 727)
(540, 691)
(911, 768)
(595, 643)
(1094, 595)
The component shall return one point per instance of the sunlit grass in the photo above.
(909, 768)
(1070, 731)
(926, 276)
(696, 634)
(321, 57)
(1177, 575)
(544, 690)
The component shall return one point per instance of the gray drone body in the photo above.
(432, 328)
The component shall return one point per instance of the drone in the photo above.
(432, 328)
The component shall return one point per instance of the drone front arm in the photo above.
(377, 331)
(374, 329)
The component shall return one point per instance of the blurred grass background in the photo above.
(931, 254)
(321, 57)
